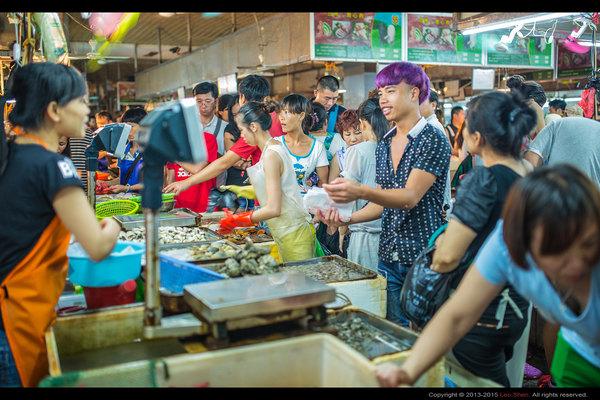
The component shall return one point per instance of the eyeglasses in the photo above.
(208, 102)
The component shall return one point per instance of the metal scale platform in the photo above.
(252, 301)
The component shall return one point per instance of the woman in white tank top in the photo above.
(276, 188)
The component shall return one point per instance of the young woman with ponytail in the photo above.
(276, 187)
(307, 153)
(43, 204)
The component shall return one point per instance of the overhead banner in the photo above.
(521, 52)
(367, 37)
(432, 41)
(571, 65)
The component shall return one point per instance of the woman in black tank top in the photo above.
(496, 125)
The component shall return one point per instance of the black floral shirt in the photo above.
(405, 232)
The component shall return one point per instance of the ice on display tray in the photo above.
(176, 217)
(330, 269)
(173, 236)
(201, 252)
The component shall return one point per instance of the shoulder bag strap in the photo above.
(136, 161)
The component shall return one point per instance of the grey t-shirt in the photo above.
(573, 140)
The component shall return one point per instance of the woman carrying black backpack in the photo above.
(496, 125)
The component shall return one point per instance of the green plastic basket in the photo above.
(168, 201)
(111, 208)
(166, 198)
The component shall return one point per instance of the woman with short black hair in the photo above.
(547, 246)
(42, 205)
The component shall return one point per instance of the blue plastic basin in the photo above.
(112, 271)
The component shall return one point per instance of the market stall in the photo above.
(222, 302)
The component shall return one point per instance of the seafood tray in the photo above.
(202, 252)
(257, 235)
(173, 236)
(176, 217)
(330, 269)
(370, 335)
(101, 198)
(211, 218)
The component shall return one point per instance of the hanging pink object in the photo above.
(571, 44)
(104, 24)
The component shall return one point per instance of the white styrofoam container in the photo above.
(367, 294)
(315, 360)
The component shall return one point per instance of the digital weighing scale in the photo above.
(252, 301)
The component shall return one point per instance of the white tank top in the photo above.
(293, 214)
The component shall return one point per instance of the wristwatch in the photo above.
(127, 187)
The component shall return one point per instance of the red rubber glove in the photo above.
(231, 221)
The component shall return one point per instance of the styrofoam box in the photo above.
(316, 360)
(367, 294)
(433, 377)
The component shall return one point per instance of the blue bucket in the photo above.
(112, 271)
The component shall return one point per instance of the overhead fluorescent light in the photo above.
(587, 43)
(510, 23)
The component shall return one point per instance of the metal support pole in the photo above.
(91, 188)
(189, 32)
(159, 47)
(152, 309)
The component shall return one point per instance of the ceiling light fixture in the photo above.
(166, 15)
(509, 24)
(589, 44)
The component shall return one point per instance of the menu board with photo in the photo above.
(572, 64)
(431, 40)
(356, 36)
(531, 52)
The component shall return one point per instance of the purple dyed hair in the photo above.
(406, 72)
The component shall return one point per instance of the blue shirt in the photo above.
(582, 332)
(405, 232)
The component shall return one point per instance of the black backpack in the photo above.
(424, 290)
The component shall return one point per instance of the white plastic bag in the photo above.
(318, 199)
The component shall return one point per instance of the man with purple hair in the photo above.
(412, 167)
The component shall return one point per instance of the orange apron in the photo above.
(28, 296)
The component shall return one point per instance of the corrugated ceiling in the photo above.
(173, 29)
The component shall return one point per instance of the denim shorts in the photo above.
(9, 376)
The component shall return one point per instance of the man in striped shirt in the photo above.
(78, 146)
